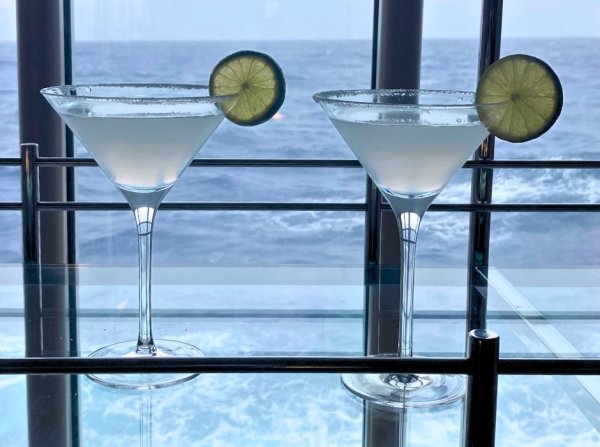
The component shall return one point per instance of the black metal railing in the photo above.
(31, 161)
(31, 206)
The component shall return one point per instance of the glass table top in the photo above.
(316, 311)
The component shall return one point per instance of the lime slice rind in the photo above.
(527, 97)
(256, 80)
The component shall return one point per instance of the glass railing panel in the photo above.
(557, 309)
(243, 310)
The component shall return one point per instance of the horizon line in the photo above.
(306, 39)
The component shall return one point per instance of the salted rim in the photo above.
(65, 91)
(340, 97)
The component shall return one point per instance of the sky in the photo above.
(306, 19)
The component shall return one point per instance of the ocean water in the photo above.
(279, 406)
(303, 131)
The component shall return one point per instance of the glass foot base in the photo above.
(164, 348)
(406, 390)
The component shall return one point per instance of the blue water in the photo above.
(275, 406)
(518, 239)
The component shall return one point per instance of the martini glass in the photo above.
(410, 142)
(143, 136)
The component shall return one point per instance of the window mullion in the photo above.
(482, 180)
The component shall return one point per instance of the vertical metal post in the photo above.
(372, 194)
(69, 144)
(399, 43)
(32, 292)
(482, 389)
(481, 181)
(48, 401)
(40, 58)
(40, 55)
(71, 225)
(30, 197)
(397, 39)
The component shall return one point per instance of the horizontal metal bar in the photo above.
(204, 162)
(206, 206)
(309, 314)
(313, 206)
(72, 365)
(277, 314)
(533, 164)
(549, 366)
(11, 206)
(299, 163)
(300, 206)
(278, 364)
(517, 207)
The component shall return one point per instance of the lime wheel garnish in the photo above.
(257, 82)
(519, 98)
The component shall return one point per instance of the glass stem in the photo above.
(408, 224)
(144, 219)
